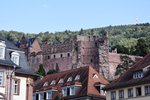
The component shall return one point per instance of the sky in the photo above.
(35, 16)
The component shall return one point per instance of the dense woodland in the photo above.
(128, 39)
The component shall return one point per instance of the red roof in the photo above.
(86, 80)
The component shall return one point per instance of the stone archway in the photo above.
(2, 96)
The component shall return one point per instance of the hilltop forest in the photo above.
(128, 39)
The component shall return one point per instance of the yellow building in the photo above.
(133, 84)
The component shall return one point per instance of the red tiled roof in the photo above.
(127, 78)
(86, 80)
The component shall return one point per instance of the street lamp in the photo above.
(11, 77)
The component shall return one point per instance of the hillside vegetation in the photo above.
(129, 39)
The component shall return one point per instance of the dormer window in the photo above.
(69, 79)
(138, 75)
(95, 76)
(45, 84)
(2, 49)
(53, 82)
(61, 81)
(15, 57)
(77, 77)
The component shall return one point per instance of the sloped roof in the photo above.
(86, 80)
(10, 47)
(127, 78)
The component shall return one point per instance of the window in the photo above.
(53, 82)
(113, 95)
(45, 84)
(68, 54)
(2, 52)
(54, 56)
(61, 81)
(130, 92)
(138, 91)
(15, 58)
(64, 92)
(138, 75)
(95, 76)
(77, 77)
(121, 94)
(61, 55)
(147, 90)
(16, 86)
(49, 95)
(1, 78)
(48, 57)
(69, 79)
(72, 90)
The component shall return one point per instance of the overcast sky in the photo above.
(34, 16)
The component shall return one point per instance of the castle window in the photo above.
(53, 82)
(15, 57)
(54, 56)
(48, 57)
(91, 60)
(61, 55)
(69, 79)
(147, 90)
(2, 50)
(68, 54)
(77, 77)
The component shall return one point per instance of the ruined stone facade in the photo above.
(81, 51)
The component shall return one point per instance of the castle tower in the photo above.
(104, 54)
(24, 44)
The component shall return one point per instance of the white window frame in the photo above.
(113, 95)
(53, 82)
(15, 57)
(2, 52)
(61, 81)
(77, 77)
(121, 94)
(69, 79)
(16, 86)
(72, 90)
(48, 95)
(147, 90)
(2, 78)
(64, 91)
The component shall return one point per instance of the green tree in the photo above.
(127, 62)
(41, 70)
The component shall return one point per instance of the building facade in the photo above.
(83, 83)
(133, 84)
(16, 77)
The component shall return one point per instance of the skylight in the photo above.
(77, 77)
